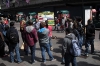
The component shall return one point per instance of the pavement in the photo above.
(92, 60)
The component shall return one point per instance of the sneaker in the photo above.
(62, 62)
(44, 62)
(19, 62)
(12, 61)
(33, 62)
(53, 60)
(86, 55)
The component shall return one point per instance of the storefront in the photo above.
(46, 15)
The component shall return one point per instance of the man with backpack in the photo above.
(13, 38)
(90, 35)
(70, 48)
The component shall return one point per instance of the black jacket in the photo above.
(90, 31)
(8, 33)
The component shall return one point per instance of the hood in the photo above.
(71, 36)
(29, 29)
(42, 29)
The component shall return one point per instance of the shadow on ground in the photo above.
(23, 57)
(2, 64)
(59, 40)
(57, 50)
(81, 63)
(96, 57)
(48, 65)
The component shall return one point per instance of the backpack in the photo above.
(74, 50)
(13, 37)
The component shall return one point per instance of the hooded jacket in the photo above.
(43, 35)
(67, 42)
(31, 35)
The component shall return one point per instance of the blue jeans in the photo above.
(50, 43)
(68, 59)
(15, 47)
(26, 49)
(47, 47)
(63, 59)
(32, 48)
(81, 41)
(88, 43)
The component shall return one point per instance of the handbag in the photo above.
(22, 47)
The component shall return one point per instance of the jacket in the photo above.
(67, 42)
(43, 35)
(90, 31)
(30, 35)
(50, 31)
(8, 33)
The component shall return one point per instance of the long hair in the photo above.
(46, 22)
(42, 24)
(75, 25)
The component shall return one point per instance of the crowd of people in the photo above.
(42, 32)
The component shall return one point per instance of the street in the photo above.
(92, 60)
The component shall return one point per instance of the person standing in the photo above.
(13, 37)
(2, 45)
(80, 30)
(37, 25)
(90, 35)
(67, 44)
(22, 28)
(31, 39)
(44, 42)
(56, 24)
(50, 34)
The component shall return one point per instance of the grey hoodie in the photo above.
(43, 36)
(29, 29)
(67, 42)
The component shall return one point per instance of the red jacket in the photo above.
(31, 35)
(6, 22)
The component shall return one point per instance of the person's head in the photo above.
(62, 17)
(68, 30)
(89, 21)
(23, 21)
(79, 19)
(3, 21)
(30, 22)
(12, 24)
(55, 17)
(37, 20)
(42, 24)
(46, 22)
(75, 26)
(70, 20)
(6, 28)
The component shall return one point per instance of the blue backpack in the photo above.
(74, 50)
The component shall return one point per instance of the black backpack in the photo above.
(13, 37)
